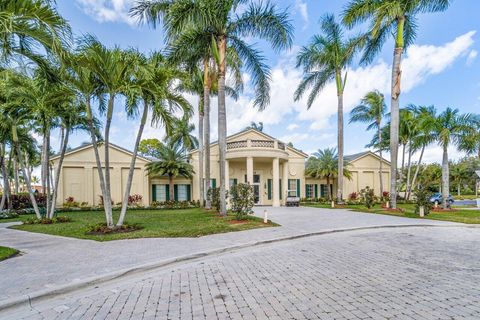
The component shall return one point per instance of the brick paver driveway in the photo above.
(400, 273)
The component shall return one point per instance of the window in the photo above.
(182, 192)
(310, 190)
(232, 182)
(324, 190)
(292, 188)
(256, 178)
(160, 192)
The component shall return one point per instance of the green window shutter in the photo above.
(154, 192)
(175, 192)
(316, 190)
(235, 182)
(167, 192)
(214, 183)
(269, 189)
(189, 192)
(298, 187)
(280, 189)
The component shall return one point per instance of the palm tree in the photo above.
(172, 162)
(471, 143)
(25, 24)
(323, 164)
(396, 18)
(371, 111)
(152, 83)
(326, 59)
(182, 132)
(450, 128)
(256, 126)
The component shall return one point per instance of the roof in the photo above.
(356, 156)
(86, 146)
(259, 132)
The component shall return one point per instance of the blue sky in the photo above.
(442, 69)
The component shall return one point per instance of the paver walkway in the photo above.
(408, 273)
(51, 261)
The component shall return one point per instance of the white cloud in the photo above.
(434, 153)
(471, 57)
(108, 10)
(295, 137)
(292, 127)
(301, 7)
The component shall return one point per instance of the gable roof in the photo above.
(356, 156)
(260, 133)
(90, 145)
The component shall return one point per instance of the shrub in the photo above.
(242, 200)
(368, 197)
(213, 195)
(70, 203)
(8, 214)
(101, 228)
(353, 196)
(385, 196)
(60, 219)
(422, 198)
(134, 199)
(175, 204)
(22, 200)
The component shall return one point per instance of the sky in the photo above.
(441, 69)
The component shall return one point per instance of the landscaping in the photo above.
(193, 222)
(408, 210)
(6, 253)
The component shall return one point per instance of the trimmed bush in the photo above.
(368, 197)
(242, 200)
(422, 198)
(213, 195)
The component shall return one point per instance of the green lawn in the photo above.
(155, 223)
(463, 216)
(6, 252)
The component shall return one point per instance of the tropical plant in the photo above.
(149, 147)
(182, 132)
(326, 59)
(371, 110)
(422, 199)
(226, 26)
(257, 126)
(368, 197)
(242, 200)
(387, 18)
(173, 162)
(450, 128)
(323, 165)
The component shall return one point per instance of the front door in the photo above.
(256, 188)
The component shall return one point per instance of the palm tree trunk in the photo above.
(380, 173)
(340, 137)
(409, 167)
(206, 100)
(107, 209)
(200, 151)
(395, 111)
(46, 166)
(329, 189)
(415, 175)
(15, 172)
(222, 122)
(43, 169)
(63, 150)
(6, 185)
(108, 123)
(171, 188)
(24, 171)
(131, 170)
(445, 178)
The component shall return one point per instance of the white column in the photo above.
(285, 182)
(250, 170)
(276, 182)
(227, 181)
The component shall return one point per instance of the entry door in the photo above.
(256, 188)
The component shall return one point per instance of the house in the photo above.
(271, 166)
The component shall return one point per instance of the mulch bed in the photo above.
(105, 230)
(238, 221)
(440, 209)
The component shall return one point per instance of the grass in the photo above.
(6, 252)
(461, 215)
(156, 224)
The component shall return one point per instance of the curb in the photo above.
(63, 289)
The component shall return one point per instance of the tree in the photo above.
(395, 18)
(323, 164)
(450, 128)
(326, 59)
(172, 162)
(149, 147)
(152, 83)
(182, 132)
(371, 111)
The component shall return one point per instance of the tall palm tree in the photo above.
(227, 25)
(152, 83)
(257, 126)
(326, 59)
(323, 164)
(371, 111)
(450, 128)
(182, 132)
(172, 162)
(395, 18)
(25, 24)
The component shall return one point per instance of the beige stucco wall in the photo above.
(79, 177)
